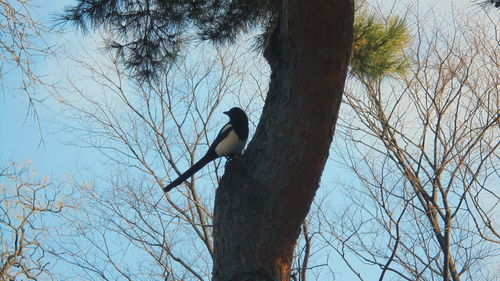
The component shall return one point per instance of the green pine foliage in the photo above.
(149, 34)
(377, 49)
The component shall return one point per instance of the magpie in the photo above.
(229, 142)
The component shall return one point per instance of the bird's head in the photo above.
(236, 113)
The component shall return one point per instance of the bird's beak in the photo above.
(226, 112)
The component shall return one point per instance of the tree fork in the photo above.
(266, 193)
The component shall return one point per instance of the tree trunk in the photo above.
(266, 193)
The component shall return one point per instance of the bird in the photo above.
(229, 143)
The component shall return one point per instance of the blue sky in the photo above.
(24, 137)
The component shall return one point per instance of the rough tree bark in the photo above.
(266, 193)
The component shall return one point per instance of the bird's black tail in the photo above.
(195, 168)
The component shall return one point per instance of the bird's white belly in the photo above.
(231, 145)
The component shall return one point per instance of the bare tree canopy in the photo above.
(23, 42)
(27, 203)
(425, 150)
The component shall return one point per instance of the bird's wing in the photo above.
(224, 132)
